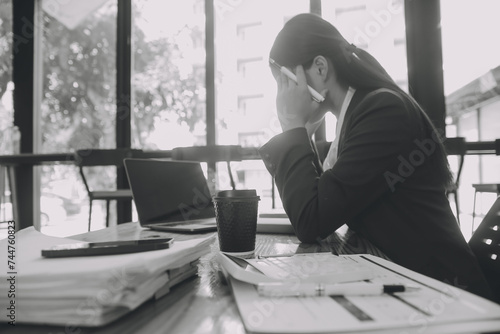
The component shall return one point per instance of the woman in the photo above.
(386, 172)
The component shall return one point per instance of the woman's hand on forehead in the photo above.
(294, 101)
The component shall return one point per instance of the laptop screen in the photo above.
(168, 191)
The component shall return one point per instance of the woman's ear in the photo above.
(322, 67)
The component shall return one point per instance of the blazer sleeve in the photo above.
(376, 136)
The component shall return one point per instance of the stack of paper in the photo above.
(84, 291)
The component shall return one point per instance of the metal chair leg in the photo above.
(473, 212)
(456, 206)
(90, 213)
(273, 194)
(107, 213)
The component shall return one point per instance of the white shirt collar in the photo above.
(331, 157)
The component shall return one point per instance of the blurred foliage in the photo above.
(79, 102)
(79, 84)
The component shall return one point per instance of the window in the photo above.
(168, 77)
(245, 87)
(471, 66)
(77, 107)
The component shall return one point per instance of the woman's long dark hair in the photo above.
(306, 36)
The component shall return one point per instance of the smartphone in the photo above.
(107, 247)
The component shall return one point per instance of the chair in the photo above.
(210, 154)
(485, 244)
(89, 158)
(485, 187)
(456, 146)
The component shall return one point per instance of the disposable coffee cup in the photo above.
(236, 212)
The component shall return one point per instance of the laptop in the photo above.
(171, 196)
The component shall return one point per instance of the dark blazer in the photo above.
(383, 186)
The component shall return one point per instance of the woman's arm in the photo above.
(378, 132)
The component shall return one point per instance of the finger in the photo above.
(324, 93)
(284, 81)
(301, 76)
(278, 81)
(291, 82)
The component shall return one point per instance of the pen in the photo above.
(278, 289)
(277, 255)
(315, 95)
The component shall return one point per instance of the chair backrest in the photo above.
(456, 146)
(102, 157)
(485, 244)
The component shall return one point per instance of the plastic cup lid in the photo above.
(238, 194)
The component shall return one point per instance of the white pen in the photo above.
(315, 95)
(279, 289)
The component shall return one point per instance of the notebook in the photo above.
(171, 196)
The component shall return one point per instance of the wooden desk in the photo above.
(202, 304)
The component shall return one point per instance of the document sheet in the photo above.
(434, 304)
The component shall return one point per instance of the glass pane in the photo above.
(471, 65)
(78, 107)
(79, 76)
(168, 74)
(7, 146)
(245, 87)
